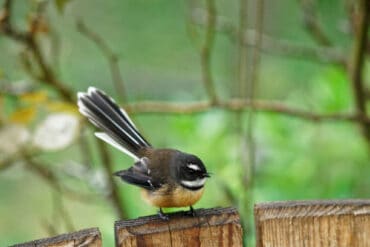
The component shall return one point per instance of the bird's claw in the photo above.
(162, 215)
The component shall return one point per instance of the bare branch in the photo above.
(110, 56)
(61, 211)
(357, 64)
(255, 65)
(205, 53)
(273, 45)
(47, 76)
(312, 24)
(242, 56)
(49, 176)
(6, 25)
(28, 39)
(287, 48)
(114, 194)
(7, 162)
(239, 105)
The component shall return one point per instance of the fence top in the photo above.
(202, 212)
(80, 237)
(285, 209)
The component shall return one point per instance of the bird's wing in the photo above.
(140, 175)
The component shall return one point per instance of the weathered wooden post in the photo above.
(84, 238)
(210, 227)
(339, 223)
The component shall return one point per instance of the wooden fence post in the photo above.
(84, 238)
(210, 227)
(336, 223)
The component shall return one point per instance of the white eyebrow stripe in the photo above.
(195, 183)
(193, 167)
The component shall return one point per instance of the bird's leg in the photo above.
(162, 215)
(191, 211)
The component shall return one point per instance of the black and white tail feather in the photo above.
(104, 113)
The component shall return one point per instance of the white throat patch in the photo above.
(194, 183)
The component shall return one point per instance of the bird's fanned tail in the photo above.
(118, 129)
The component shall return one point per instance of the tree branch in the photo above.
(49, 176)
(312, 24)
(273, 45)
(114, 194)
(239, 105)
(205, 53)
(28, 39)
(6, 24)
(357, 64)
(112, 58)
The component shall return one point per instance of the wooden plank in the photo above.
(210, 227)
(339, 223)
(84, 238)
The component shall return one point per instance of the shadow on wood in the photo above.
(313, 223)
(86, 238)
(210, 227)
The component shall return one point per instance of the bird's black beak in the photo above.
(206, 175)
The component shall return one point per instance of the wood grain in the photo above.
(210, 227)
(84, 238)
(339, 223)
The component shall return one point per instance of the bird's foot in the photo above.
(191, 212)
(162, 215)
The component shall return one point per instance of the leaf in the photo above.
(36, 97)
(23, 115)
(56, 131)
(62, 107)
(61, 4)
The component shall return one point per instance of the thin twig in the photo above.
(272, 45)
(7, 162)
(55, 49)
(110, 56)
(243, 92)
(47, 76)
(114, 194)
(330, 55)
(312, 24)
(239, 105)
(28, 39)
(356, 69)
(255, 65)
(49, 176)
(242, 52)
(206, 50)
(85, 150)
(62, 211)
(6, 24)
(250, 140)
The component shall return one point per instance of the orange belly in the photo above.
(180, 197)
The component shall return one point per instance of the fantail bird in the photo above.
(168, 177)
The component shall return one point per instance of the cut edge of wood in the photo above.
(201, 212)
(294, 203)
(275, 210)
(62, 238)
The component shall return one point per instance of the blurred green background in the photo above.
(158, 47)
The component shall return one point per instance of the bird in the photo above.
(168, 177)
